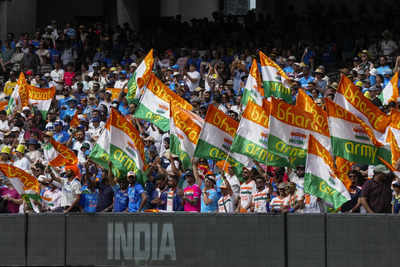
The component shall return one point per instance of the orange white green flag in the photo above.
(321, 179)
(290, 127)
(184, 133)
(140, 78)
(216, 138)
(306, 103)
(393, 137)
(275, 81)
(253, 89)
(121, 144)
(41, 98)
(57, 154)
(350, 98)
(251, 138)
(343, 166)
(19, 96)
(154, 106)
(351, 139)
(391, 91)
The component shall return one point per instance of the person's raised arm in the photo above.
(196, 171)
(175, 170)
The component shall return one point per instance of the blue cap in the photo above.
(175, 67)
(95, 119)
(32, 142)
(58, 123)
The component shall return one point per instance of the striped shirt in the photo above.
(246, 192)
(279, 203)
(260, 201)
(225, 204)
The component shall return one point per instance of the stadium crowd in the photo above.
(82, 61)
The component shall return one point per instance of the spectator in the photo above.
(136, 193)
(209, 197)
(376, 193)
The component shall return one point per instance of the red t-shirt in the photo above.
(68, 76)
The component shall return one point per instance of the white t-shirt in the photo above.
(311, 204)
(57, 76)
(246, 192)
(54, 199)
(388, 47)
(69, 191)
(4, 127)
(120, 84)
(193, 75)
(24, 164)
(299, 183)
(260, 200)
(225, 204)
(235, 186)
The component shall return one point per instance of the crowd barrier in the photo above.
(180, 239)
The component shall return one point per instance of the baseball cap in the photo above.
(282, 186)
(382, 169)
(15, 129)
(42, 179)
(188, 173)
(130, 173)
(133, 64)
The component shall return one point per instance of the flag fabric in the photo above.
(121, 144)
(154, 106)
(350, 137)
(391, 91)
(306, 103)
(57, 154)
(140, 78)
(74, 121)
(115, 92)
(184, 133)
(41, 98)
(19, 97)
(393, 137)
(251, 138)
(275, 80)
(321, 179)
(343, 166)
(289, 128)
(253, 89)
(21, 180)
(216, 138)
(350, 98)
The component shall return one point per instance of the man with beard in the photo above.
(261, 198)
(247, 189)
(297, 177)
(173, 195)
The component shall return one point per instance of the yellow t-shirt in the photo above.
(9, 87)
